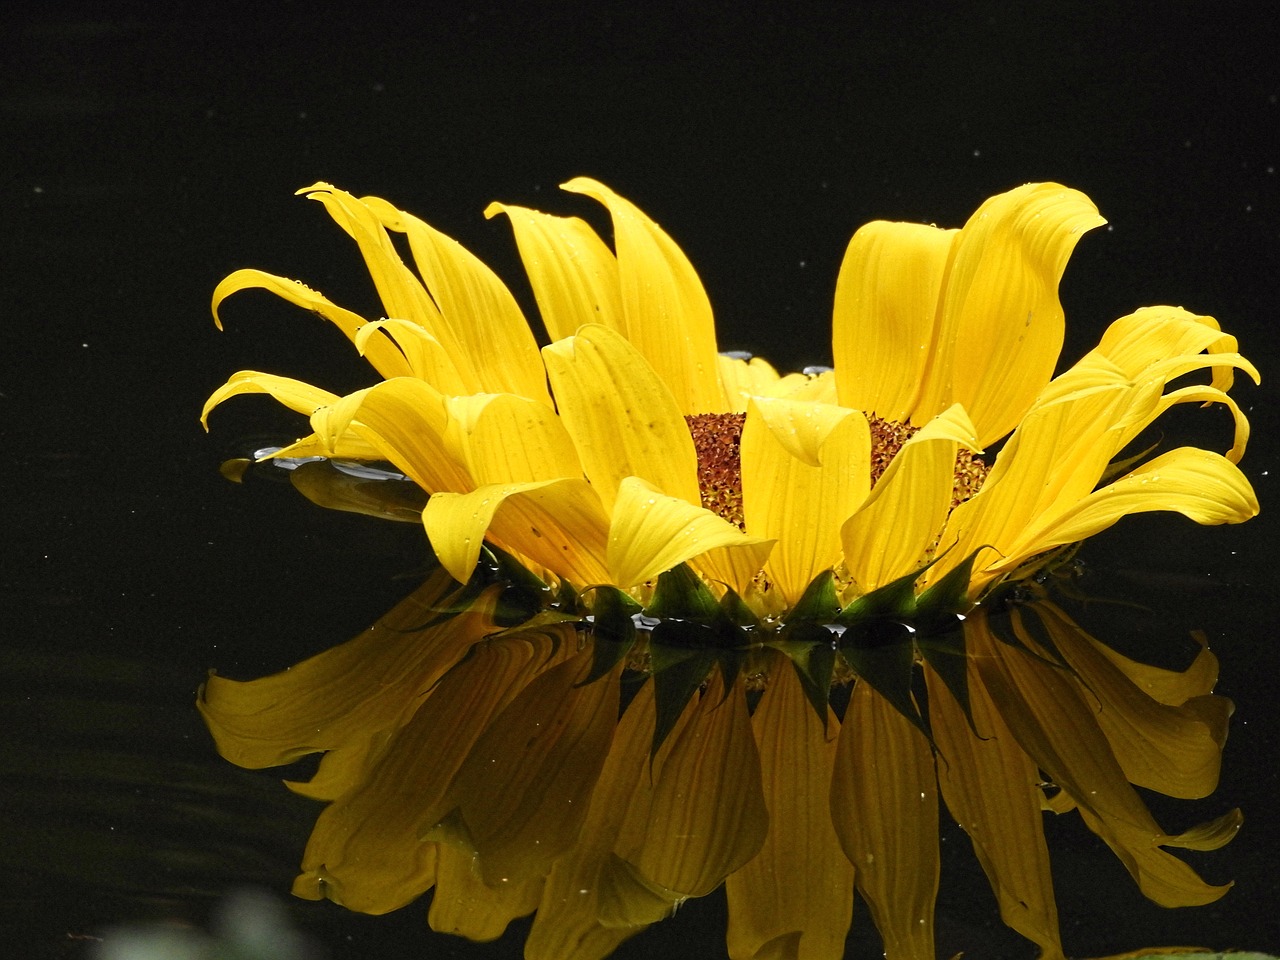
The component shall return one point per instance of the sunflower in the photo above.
(698, 623)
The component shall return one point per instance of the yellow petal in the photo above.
(403, 296)
(558, 524)
(426, 356)
(573, 273)
(1001, 323)
(1152, 334)
(524, 808)
(884, 804)
(294, 394)
(805, 469)
(707, 814)
(384, 357)
(1199, 484)
(405, 419)
(891, 533)
(800, 883)
(1054, 458)
(650, 533)
(885, 321)
(744, 379)
(667, 314)
(621, 416)
(990, 788)
(482, 317)
(504, 438)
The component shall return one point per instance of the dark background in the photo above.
(145, 156)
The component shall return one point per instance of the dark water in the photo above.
(144, 158)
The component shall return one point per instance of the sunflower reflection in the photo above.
(696, 623)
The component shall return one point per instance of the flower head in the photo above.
(741, 541)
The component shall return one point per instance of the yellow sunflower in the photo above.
(658, 562)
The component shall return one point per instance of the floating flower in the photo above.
(698, 623)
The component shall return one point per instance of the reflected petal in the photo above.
(884, 803)
(800, 884)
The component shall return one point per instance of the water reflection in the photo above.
(473, 749)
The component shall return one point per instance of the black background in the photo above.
(145, 156)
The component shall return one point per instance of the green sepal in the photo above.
(896, 600)
(812, 652)
(882, 652)
(613, 631)
(680, 594)
(819, 601)
(948, 596)
(680, 657)
(734, 609)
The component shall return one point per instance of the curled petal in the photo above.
(1001, 323)
(294, 394)
(1199, 484)
(1153, 334)
(557, 523)
(384, 357)
(805, 468)
(650, 533)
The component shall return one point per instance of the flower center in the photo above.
(717, 438)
